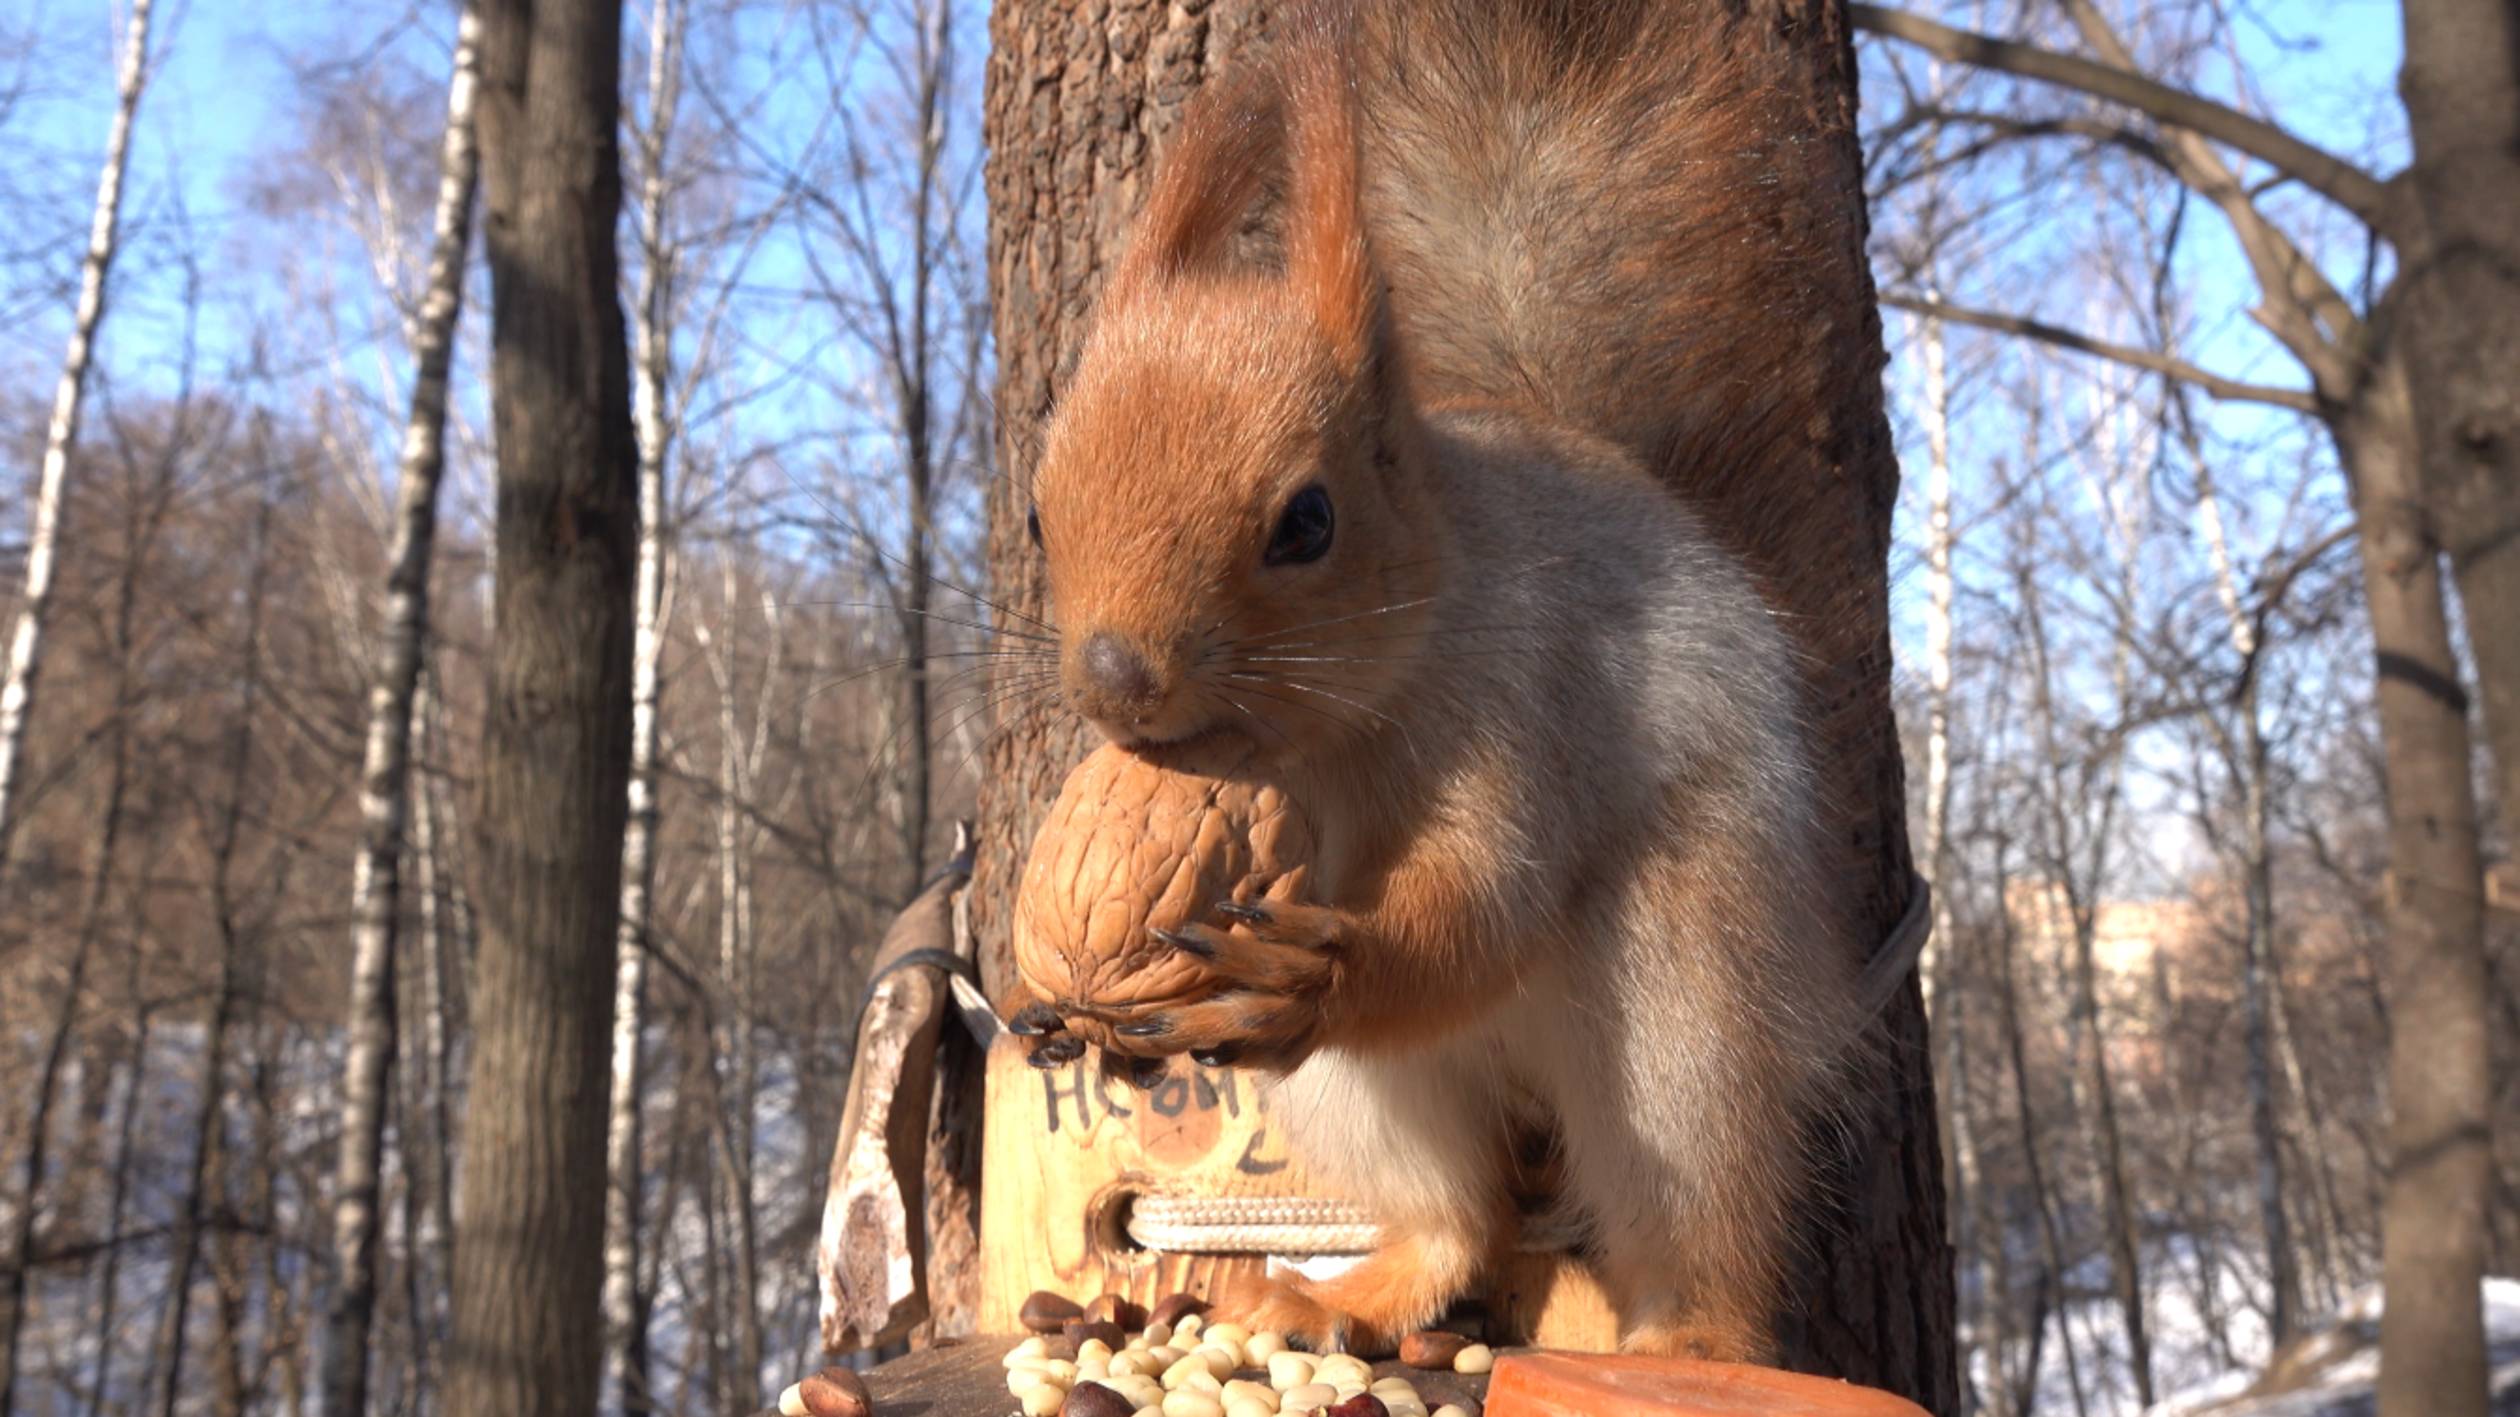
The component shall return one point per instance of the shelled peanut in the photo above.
(1177, 1364)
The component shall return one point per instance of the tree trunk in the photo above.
(1942, 972)
(733, 1067)
(442, 920)
(109, 825)
(1074, 106)
(914, 393)
(118, 1196)
(2258, 928)
(2459, 329)
(233, 991)
(2088, 1043)
(2432, 1229)
(626, 1300)
(26, 643)
(528, 1329)
(385, 781)
(2026, 1117)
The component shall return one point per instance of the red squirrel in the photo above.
(1380, 471)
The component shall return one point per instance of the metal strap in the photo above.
(1898, 951)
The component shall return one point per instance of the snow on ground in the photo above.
(2333, 1373)
(2202, 1319)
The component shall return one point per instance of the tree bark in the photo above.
(528, 1329)
(2459, 329)
(2432, 1338)
(17, 692)
(385, 782)
(1075, 102)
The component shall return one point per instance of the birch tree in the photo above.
(626, 1298)
(384, 794)
(1942, 969)
(61, 436)
(145, 512)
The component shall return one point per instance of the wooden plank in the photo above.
(1068, 1150)
(871, 1257)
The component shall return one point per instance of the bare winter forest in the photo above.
(2206, 683)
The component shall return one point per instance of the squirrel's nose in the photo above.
(1117, 679)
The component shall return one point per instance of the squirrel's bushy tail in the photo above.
(1612, 214)
(1575, 205)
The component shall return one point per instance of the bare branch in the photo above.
(2314, 167)
(2003, 129)
(2231, 390)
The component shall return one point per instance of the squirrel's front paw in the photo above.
(1271, 964)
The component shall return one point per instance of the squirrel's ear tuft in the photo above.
(1205, 183)
(1327, 259)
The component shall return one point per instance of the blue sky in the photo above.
(225, 111)
(224, 98)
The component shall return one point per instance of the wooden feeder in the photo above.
(1074, 1162)
(1092, 1187)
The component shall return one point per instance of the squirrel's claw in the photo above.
(1034, 1020)
(1238, 1027)
(1141, 1074)
(1284, 953)
(1053, 1051)
(1267, 973)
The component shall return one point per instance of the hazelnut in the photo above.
(834, 1392)
(1094, 1400)
(1431, 1349)
(1045, 1312)
(1083, 1331)
(1117, 1310)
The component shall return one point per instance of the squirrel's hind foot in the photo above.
(1714, 1342)
(1396, 1290)
(1292, 1307)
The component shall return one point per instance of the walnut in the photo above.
(1130, 846)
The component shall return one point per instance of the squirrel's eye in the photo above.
(1032, 525)
(1303, 529)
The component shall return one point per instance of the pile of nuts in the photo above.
(1115, 1359)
